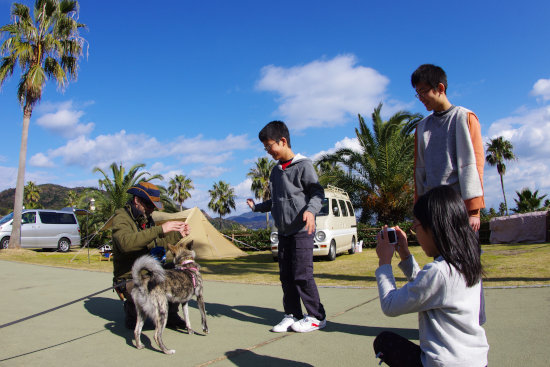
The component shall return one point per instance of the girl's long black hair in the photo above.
(442, 211)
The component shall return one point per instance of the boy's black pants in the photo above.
(296, 274)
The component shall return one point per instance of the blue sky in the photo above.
(185, 86)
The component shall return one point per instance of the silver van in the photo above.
(336, 226)
(43, 228)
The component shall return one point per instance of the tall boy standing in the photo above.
(449, 147)
(296, 197)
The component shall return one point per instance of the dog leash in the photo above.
(193, 271)
(61, 306)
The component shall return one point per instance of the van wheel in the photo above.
(332, 251)
(64, 244)
(5, 242)
(351, 251)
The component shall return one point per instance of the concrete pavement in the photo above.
(91, 332)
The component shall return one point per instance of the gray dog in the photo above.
(155, 286)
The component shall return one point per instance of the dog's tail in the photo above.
(154, 269)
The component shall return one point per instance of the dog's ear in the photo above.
(172, 249)
(189, 245)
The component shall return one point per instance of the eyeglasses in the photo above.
(414, 227)
(268, 148)
(422, 93)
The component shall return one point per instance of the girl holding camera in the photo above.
(445, 293)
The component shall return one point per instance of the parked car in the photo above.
(336, 226)
(43, 228)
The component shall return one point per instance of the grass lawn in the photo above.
(505, 265)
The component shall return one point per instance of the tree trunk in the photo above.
(504, 194)
(15, 238)
(267, 220)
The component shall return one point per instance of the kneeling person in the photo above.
(134, 235)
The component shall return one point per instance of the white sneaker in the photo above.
(285, 324)
(307, 324)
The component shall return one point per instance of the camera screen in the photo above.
(392, 238)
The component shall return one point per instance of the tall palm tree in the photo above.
(31, 195)
(116, 187)
(498, 151)
(45, 45)
(222, 198)
(179, 189)
(528, 201)
(260, 181)
(380, 176)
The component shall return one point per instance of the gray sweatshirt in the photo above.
(448, 312)
(293, 191)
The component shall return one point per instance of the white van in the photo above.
(43, 228)
(336, 226)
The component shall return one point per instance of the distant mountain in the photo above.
(252, 220)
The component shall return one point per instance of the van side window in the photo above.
(335, 209)
(350, 208)
(57, 218)
(344, 209)
(324, 208)
(29, 217)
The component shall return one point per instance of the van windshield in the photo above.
(6, 218)
(324, 208)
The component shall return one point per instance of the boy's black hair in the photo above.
(429, 74)
(442, 211)
(275, 130)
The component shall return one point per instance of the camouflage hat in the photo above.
(147, 191)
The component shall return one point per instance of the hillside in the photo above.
(51, 197)
(252, 220)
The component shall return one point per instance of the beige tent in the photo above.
(208, 243)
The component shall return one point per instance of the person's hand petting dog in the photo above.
(384, 250)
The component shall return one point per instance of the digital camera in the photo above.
(392, 236)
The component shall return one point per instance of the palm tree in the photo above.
(46, 47)
(498, 151)
(329, 172)
(72, 198)
(380, 176)
(31, 195)
(528, 201)
(222, 199)
(116, 195)
(179, 189)
(260, 181)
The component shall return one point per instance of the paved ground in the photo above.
(90, 332)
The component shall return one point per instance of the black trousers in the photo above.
(397, 351)
(296, 274)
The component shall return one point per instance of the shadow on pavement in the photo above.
(247, 358)
(111, 310)
(254, 314)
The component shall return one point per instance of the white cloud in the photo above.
(349, 143)
(64, 120)
(324, 93)
(208, 171)
(542, 89)
(40, 160)
(529, 132)
(102, 150)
